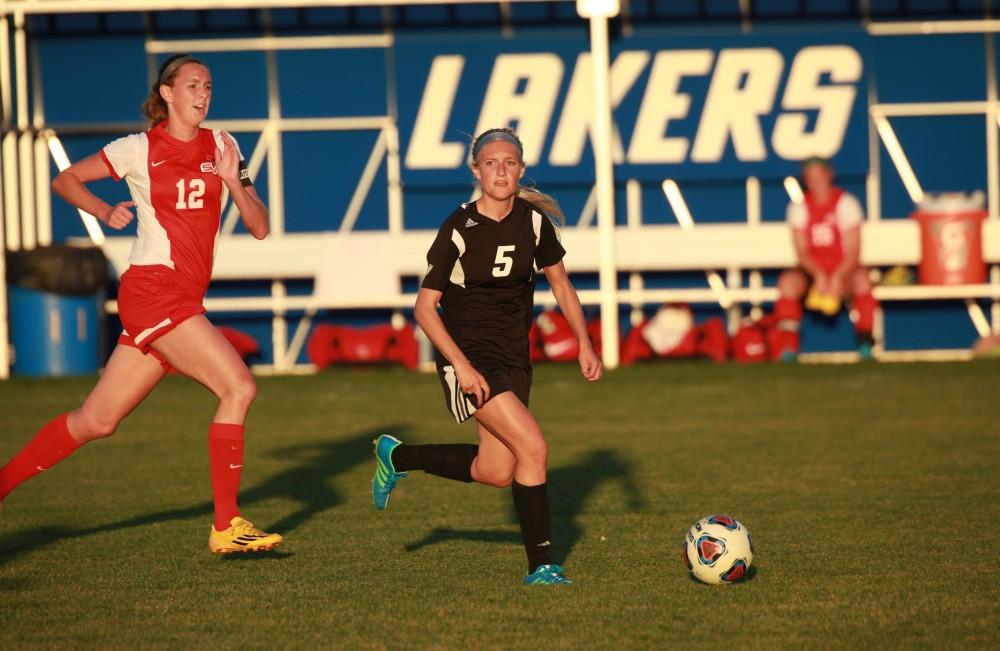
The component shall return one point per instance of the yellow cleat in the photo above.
(241, 536)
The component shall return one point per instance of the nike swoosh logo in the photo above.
(40, 469)
(233, 466)
(157, 164)
(559, 347)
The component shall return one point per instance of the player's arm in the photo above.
(569, 305)
(850, 216)
(426, 313)
(70, 184)
(797, 217)
(802, 252)
(253, 212)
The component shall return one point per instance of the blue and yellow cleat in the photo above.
(385, 474)
(551, 574)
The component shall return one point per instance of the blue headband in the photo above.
(496, 135)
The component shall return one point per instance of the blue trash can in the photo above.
(54, 335)
(56, 308)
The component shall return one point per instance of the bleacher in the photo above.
(325, 260)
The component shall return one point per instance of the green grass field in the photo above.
(871, 491)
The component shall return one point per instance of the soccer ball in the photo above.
(718, 549)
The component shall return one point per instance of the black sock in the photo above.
(451, 460)
(532, 506)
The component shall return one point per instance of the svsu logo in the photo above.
(209, 168)
(749, 108)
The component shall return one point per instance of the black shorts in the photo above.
(500, 378)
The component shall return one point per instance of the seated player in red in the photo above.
(179, 175)
(826, 227)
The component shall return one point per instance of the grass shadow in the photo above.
(569, 488)
(273, 555)
(308, 482)
(447, 534)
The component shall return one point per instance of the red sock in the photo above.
(783, 336)
(51, 445)
(225, 456)
(788, 309)
(864, 308)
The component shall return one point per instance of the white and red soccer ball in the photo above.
(718, 549)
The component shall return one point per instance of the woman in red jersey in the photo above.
(179, 176)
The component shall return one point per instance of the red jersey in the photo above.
(824, 224)
(178, 197)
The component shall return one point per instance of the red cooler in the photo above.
(951, 239)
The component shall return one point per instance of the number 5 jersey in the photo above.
(486, 271)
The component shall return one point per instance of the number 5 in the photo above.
(504, 262)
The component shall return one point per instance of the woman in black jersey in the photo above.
(481, 271)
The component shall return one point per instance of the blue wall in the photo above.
(321, 169)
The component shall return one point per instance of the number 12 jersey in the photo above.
(178, 196)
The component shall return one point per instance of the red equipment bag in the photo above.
(750, 343)
(713, 342)
(330, 344)
(635, 348)
(558, 341)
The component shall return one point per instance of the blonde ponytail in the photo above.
(547, 204)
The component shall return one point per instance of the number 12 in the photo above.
(194, 198)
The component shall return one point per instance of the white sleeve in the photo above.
(849, 212)
(220, 143)
(120, 155)
(796, 215)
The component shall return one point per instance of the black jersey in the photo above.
(486, 270)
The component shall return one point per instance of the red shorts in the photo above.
(152, 301)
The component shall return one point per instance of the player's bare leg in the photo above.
(198, 350)
(507, 417)
(495, 463)
(509, 420)
(128, 378)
